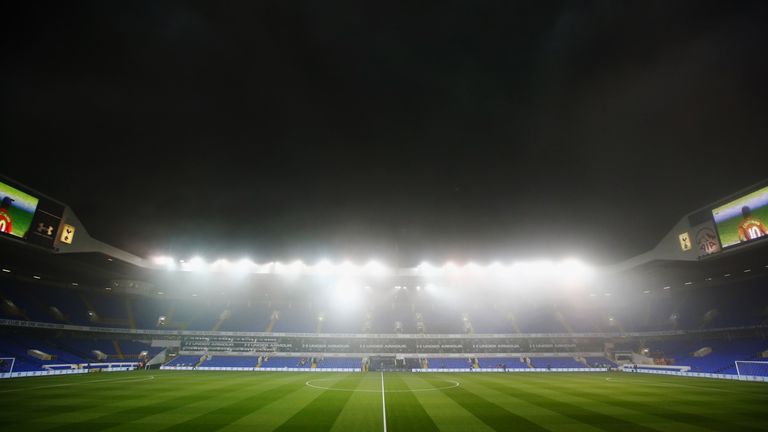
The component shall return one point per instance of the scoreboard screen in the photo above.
(743, 220)
(17, 209)
(28, 215)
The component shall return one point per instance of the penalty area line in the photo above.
(151, 377)
(666, 384)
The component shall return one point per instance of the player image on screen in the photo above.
(750, 227)
(743, 220)
(16, 210)
(6, 221)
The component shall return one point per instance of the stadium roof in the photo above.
(461, 132)
(97, 270)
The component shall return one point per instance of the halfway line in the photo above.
(383, 403)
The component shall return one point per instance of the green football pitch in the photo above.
(263, 401)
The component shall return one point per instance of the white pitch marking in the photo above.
(454, 384)
(151, 377)
(669, 385)
(383, 403)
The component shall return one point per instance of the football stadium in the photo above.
(95, 338)
(384, 216)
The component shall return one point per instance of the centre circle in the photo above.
(453, 384)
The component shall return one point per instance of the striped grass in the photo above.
(149, 401)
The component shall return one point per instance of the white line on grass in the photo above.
(151, 377)
(383, 403)
(664, 384)
(454, 384)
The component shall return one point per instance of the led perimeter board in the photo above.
(743, 220)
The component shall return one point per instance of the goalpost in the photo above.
(6, 366)
(752, 368)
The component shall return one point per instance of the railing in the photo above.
(148, 332)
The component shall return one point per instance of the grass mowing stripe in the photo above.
(149, 407)
(582, 415)
(658, 410)
(54, 401)
(713, 388)
(321, 413)
(560, 393)
(542, 416)
(444, 411)
(495, 416)
(223, 416)
(245, 401)
(360, 412)
(278, 413)
(404, 412)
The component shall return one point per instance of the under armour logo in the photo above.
(43, 228)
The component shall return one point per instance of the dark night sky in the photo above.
(452, 130)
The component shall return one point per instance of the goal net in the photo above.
(752, 368)
(6, 366)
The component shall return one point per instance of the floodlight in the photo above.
(346, 268)
(168, 262)
(375, 268)
(346, 295)
(296, 267)
(323, 267)
(496, 267)
(427, 268)
(196, 264)
(267, 268)
(450, 267)
(473, 268)
(245, 265)
(220, 265)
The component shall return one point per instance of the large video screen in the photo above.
(16, 210)
(743, 220)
